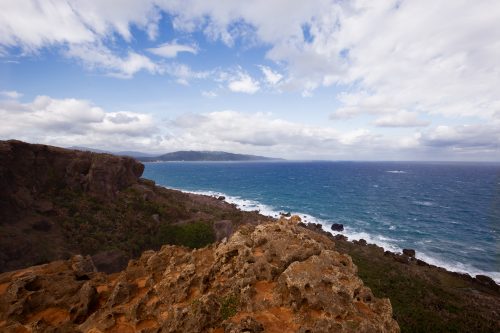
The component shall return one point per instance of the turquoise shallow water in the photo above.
(448, 212)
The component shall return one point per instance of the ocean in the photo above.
(448, 212)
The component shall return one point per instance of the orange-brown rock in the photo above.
(273, 277)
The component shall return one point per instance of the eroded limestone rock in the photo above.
(274, 277)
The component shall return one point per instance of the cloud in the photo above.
(35, 24)
(473, 137)
(209, 94)
(170, 50)
(272, 77)
(243, 83)
(65, 121)
(401, 119)
(71, 121)
(184, 74)
(414, 64)
(418, 56)
(11, 94)
(262, 133)
(97, 56)
(82, 29)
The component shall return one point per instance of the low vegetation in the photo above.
(425, 299)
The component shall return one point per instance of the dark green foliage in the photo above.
(421, 302)
(228, 306)
(193, 235)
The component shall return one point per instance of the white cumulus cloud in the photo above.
(71, 121)
(243, 83)
(401, 119)
(170, 50)
(11, 94)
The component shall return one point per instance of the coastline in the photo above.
(352, 234)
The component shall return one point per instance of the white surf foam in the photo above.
(424, 203)
(396, 171)
(457, 266)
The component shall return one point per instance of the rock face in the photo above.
(273, 277)
(27, 170)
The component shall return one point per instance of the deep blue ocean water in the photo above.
(448, 212)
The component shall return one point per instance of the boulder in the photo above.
(409, 252)
(361, 242)
(487, 281)
(337, 227)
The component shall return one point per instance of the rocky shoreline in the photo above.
(406, 256)
(92, 213)
(424, 297)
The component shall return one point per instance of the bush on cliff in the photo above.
(193, 235)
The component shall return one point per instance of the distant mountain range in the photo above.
(187, 156)
(193, 156)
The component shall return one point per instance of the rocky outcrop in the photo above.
(273, 277)
(28, 170)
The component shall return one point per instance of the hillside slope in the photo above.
(56, 202)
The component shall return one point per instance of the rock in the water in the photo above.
(409, 252)
(273, 277)
(337, 227)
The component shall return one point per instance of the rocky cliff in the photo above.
(56, 202)
(273, 277)
(27, 171)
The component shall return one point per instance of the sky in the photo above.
(316, 79)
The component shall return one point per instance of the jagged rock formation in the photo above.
(273, 277)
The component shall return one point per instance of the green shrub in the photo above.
(229, 306)
(193, 235)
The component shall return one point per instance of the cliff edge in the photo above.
(55, 203)
(273, 277)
